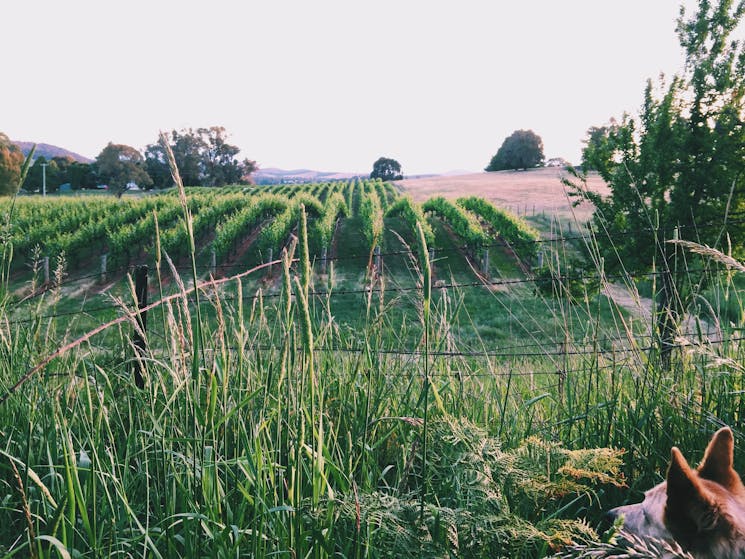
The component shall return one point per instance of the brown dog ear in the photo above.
(690, 508)
(718, 460)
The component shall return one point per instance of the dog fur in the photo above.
(702, 509)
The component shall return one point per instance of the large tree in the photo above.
(221, 163)
(523, 149)
(677, 169)
(386, 169)
(203, 156)
(119, 165)
(80, 175)
(11, 163)
(598, 150)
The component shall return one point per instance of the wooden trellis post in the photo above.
(104, 261)
(138, 339)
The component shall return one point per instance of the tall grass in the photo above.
(270, 430)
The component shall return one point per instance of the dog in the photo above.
(701, 509)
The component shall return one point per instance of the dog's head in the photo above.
(702, 509)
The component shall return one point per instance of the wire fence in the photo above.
(457, 249)
(392, 289)
(618, 348)
(542, 348)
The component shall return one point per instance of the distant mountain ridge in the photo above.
(49, 151)
(273, 175)
(282, 176)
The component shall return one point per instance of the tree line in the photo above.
(204, 158)
(203, 155)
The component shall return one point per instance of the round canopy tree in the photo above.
(386, 169)
(11, 162)
(119, 165)
(523, 149)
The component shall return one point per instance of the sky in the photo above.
(332, 85)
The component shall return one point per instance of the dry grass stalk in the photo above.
(714, 254)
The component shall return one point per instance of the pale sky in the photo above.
(331, 84)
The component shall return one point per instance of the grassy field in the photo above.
(524, 192)
(416, 409)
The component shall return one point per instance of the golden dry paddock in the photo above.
(539, 188)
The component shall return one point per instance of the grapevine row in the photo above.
(515, 231)
(412, 213)
(463, 224)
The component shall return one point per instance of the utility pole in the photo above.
(44, 179)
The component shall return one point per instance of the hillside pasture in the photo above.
(519, 191)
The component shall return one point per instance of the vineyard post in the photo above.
(270, 256)
(485, 264)
(138, 339)
(213, 262)
(46, 270)
(377, 259)
(324, 255)
(540, 258)
(104, 261)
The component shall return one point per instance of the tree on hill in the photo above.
(678, 169)
(119, 165)
(386, 169)
(523, 149)
(203, 157)
(11, 163)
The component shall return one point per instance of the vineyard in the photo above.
(353, 228)
(81, 229)
(321, 370)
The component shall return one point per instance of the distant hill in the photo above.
(48, 151)
(296, 176)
